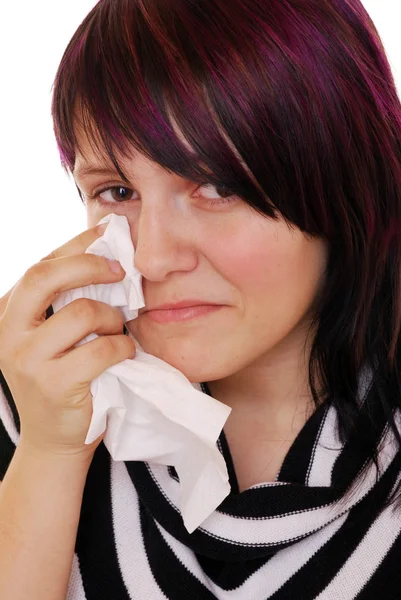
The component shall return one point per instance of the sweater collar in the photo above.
(319, 482)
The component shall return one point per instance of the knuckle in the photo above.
(131, 348)
(37, 274)
(119, 317)
(96, 262)
(126, 347)
(84, 309)
(104, 348)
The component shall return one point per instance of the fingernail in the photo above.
(115, 266)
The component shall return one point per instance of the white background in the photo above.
(40, 208)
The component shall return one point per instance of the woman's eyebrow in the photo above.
(93, 170)
(87, 169)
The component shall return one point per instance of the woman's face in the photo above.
(190, 244)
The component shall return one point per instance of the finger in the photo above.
(89, 361)
(79, 244)
(72, 324)
(41, 284)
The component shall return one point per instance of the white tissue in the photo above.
(151, 412)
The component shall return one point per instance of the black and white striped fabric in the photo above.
(320, 531)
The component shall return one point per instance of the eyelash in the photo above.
(95, 197)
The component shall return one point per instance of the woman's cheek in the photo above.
(261, 257)
(94, 213)
(245, 257)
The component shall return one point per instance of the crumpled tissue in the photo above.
(150, 411)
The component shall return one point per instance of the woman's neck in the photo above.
(269, 409)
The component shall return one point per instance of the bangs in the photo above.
(280, 102)
(134, 74)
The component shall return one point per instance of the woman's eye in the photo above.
(118, 194)
(115, 194)
(222, 191)
(222, 194)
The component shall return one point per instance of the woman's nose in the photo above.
(162, 242)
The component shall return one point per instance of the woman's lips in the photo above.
(181, 314)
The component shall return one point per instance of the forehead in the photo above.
(91, 152)
(90, 149)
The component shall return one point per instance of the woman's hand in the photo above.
(49, 378)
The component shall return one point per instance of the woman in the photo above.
(254, 148)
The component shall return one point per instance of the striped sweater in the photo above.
(322, 530)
